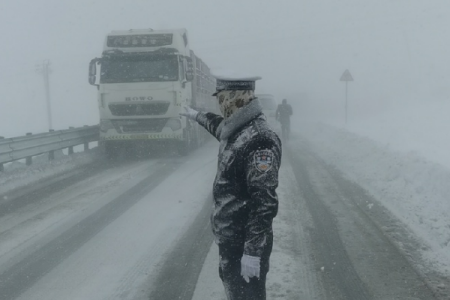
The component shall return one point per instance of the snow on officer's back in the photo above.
(245, 200)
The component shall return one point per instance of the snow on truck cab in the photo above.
(144, 78)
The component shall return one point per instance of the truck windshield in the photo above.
(139, 69)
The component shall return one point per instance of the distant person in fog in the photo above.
(245, 201)
(283, 115)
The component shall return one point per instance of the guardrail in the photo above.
(25, 147)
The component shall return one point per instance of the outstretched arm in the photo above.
(209, 121)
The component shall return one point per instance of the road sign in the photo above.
(346, 76)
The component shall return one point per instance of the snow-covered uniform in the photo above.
(245, 201)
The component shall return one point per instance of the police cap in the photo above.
(235, 83)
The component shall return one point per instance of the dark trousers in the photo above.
(236, 287)
(285, 127)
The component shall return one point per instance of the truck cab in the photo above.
(144, 78)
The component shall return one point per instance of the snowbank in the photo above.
(412, 187)
(420, 127)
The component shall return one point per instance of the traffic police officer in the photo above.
(245, 201)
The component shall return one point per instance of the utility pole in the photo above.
(44, 69)
(346, 76)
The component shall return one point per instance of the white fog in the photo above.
(394, 145)
(396, 51)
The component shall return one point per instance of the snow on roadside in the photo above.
(418, 127)
(17, 174)
(412, 187)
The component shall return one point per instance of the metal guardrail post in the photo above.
(51, 154)
(29, 145)
(1, 165)
(29, 159)
(71, 147)
(86, 144)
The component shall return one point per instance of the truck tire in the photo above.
(184, 147)
(111, 150)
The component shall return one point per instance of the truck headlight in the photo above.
(174, 124)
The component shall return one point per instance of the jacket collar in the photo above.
(239, 118)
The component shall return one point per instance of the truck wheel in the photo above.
(183, 149)
(195, 141)
(184, 146)
(112, 150)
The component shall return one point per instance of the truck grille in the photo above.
(139, 126)
(135, 109)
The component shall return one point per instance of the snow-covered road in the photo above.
(102, 237)
(138, 229)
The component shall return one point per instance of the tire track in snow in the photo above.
(25, 273)
(341, 279)
(359, 261)
(179, 273)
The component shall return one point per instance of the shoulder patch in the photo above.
(263, 160)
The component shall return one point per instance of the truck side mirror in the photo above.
(93, 71)
(189, 69)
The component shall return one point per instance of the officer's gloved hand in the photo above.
(189, 113)
(250, 267)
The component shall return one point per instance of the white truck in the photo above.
(144, 79)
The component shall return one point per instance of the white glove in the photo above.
(250, 267)
(189, 113)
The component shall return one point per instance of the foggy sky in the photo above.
(395, 50)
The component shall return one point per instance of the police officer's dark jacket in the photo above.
(245, 201)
